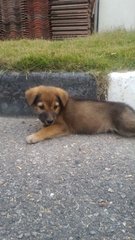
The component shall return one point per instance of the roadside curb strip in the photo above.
(14, 84)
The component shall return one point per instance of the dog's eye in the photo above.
(41, 107)
(56, 105)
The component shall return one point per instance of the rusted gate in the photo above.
(70, 18)
(45, 19)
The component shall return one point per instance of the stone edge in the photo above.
(13, 86)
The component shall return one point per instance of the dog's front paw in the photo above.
(32, 139)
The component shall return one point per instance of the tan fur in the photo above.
(63, 115)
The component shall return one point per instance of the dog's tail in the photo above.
(125, 122)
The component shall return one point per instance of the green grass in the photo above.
(104, 52)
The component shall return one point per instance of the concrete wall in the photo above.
(116, 14)
(122, 87)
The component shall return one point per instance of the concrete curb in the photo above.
(14, 84)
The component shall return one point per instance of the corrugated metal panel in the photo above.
(38, 12)
(70, 18)
(45, 19)
(23, 18)
(13, 21)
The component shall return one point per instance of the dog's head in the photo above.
(47, 102)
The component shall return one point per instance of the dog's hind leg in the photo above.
(125, 122)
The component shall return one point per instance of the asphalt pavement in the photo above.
(70, 188)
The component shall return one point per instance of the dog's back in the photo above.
(96, 117)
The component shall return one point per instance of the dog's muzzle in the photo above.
(46, 119)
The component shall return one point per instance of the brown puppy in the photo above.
(64, 115)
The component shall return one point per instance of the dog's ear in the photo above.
(32, 96)
(62, 96)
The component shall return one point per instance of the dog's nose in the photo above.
(46, 119)
(49, 121)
